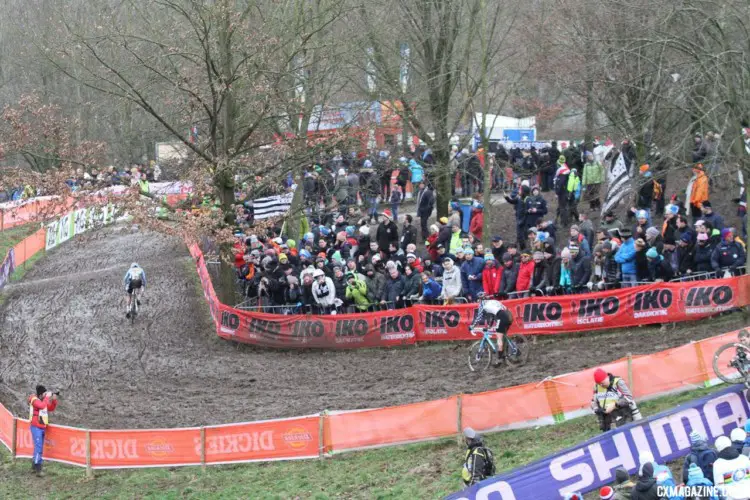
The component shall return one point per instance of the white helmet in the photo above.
(318, 272)
(134, 265)
(492, 306)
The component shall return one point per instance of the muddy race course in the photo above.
(64, 326)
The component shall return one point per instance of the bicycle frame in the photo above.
(487, 339)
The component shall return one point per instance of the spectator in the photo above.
(356, 291)
(498, 248)
(561, 189)
(518, 200)
(586, 227)
(580, 269)
(658, 268)
(412, 284)
(566, 275)
(491, 276)
(642, 224)
(397, 196)
(510, 275)
(708, 215)
(729, 254)
(535, 209)
(341, 189)
(645, 191)
(645, 488)
(394, 289)
(702, 255)
(425, 206)
(40, 405)
(654, 239)
(701, 455)
(574, 193)
(451, 281)
(697, 480)
(375, 283)
(525, 272)
(698, 188)
(387, 231)
(580, 240)
(471, 275)
(540, 277)
(641, 261)
(477, 221)
(738, 437)
(323, 291)
(593, 176)
(408, 233)
(610, 221)
(456, 242)
(733, 466)
(623, 486)
(479, 463)
(431, 289)
(417, 172)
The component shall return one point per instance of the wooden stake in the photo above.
(89, 470)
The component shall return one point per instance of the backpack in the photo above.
(705, 460)
(489, 461)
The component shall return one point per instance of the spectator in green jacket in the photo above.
(593, 177)
(356, 291)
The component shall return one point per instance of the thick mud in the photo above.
(64, 326)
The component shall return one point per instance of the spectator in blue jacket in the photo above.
(711, 217)
(417, 172)
(431, 289)
(471, 274)
(695, 477)
(728, 254)
(625, 256)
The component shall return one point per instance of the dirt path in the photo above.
(64, 326)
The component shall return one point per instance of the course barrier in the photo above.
(547, 402)
(656, 303)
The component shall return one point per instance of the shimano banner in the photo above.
(591, 464)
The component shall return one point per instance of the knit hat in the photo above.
(607, 245)
(410, 256)
(621, 475)
(600, 375)
(697, 439)
(350, 230)
(738, 434)
(444, 220)
(646, 470)
(565, 254)
(469, 251)
(671, 209)
(291, 243)
(283, 259)
(388, 213)
(722, 443)
(497, 238)
(292, 280)
(576, 227)
(646, 458)
(685, 237)
(507, 257)
(573, 249)
(489, 256)
(538, 255)
(641, 214)
(652, 253)
(695, 473)
(364, 230)
(727, 232)
(607, 493)
(625, 232)
(460, 250)
(700, 222)
(706, 204)
(652, 232)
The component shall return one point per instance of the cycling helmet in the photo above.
(134, 265)
(318, 272)
(492, 306)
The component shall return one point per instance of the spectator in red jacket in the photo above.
(492, 275)
(477, 221)
(40, 404)
(525, 272)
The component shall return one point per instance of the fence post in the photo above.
(203, 449)
(707, 375)
(322, 434)
(14, 434)
(89, 471)
(630, 372)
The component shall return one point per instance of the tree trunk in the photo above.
(292, 230)
(487, 201)
(443, 174)
(588, 136)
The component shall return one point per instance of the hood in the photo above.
(644, 484)
(729, 453)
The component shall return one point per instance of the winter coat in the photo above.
(574, 186)
(477, 223)
(510, 276)
(324, 293)
(452, 285)
(444, 236)
(645, 488)
(593, 173)
(728, 254)
(660, 269)
(431, 290)
(729, 462)
(472, 267)
(519, 206)
(626, 256)
(412, 284)
(387, 233)
(341, 191)
(375, 286)
(538, 203)
(492, 276)
(641, 265)
(456, 242)
(697, 449)
(425, 202)
(702, 258)
(610, 269)
(525, 272)
(394, 288)
(409, 236)
(615, 224)
(417, 172)
(645, 194)
(699, 191)
(540, 277)
(554, 270)
(714, 219)
(580, 270)
(356, 293)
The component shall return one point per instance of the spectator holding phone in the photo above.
(40, 405)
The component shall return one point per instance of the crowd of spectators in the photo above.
(359, 257)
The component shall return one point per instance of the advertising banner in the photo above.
(591, 464)
(266, 440)
(143, 448)
(6, 427)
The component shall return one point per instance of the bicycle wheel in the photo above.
(732, 362)
(133, 308)
(517, 349)
(480, 356)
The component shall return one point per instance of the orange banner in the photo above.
(29, 246)
(145, 448)
(61, 443)
(269, 440)
(394, 425)
(505, 407)
(6, 426)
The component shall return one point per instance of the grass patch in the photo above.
(21, 270)
(10, 237)
(428, 470)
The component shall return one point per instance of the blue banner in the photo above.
(591, 464)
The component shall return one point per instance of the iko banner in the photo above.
(591, 464)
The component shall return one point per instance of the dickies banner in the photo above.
(655, 303)
(591, 464)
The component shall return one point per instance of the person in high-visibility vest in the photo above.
(610, 392)
(40, 405)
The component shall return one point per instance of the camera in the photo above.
(56, 393)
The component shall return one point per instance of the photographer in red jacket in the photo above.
(40, 404)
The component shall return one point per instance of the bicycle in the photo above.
(515, 350)
(134, 305)
(738, 362)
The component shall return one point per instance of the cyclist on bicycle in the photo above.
(497, 317)
(135, 279)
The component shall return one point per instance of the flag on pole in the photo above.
(619, 182)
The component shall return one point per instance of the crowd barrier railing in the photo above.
(547, 402)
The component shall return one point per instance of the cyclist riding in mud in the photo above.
(496, 316)
(135, 279)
